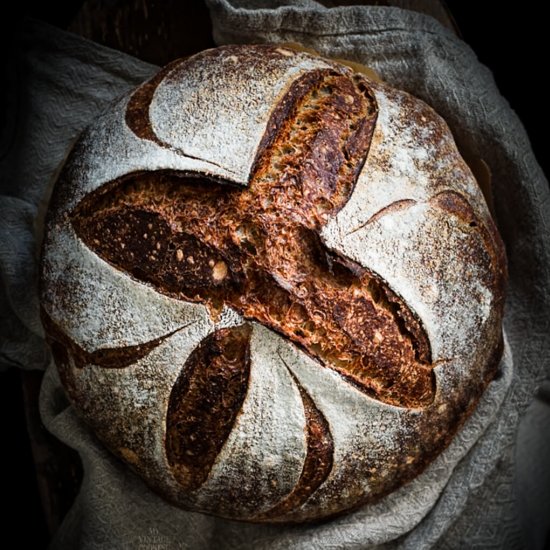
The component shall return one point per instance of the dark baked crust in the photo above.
(204, 403)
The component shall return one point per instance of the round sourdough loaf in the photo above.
(271, 284)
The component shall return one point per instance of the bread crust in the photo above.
(272, 286)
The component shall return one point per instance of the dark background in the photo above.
(514, 43)
(511, 41)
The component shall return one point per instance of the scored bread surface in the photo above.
(271, 285)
